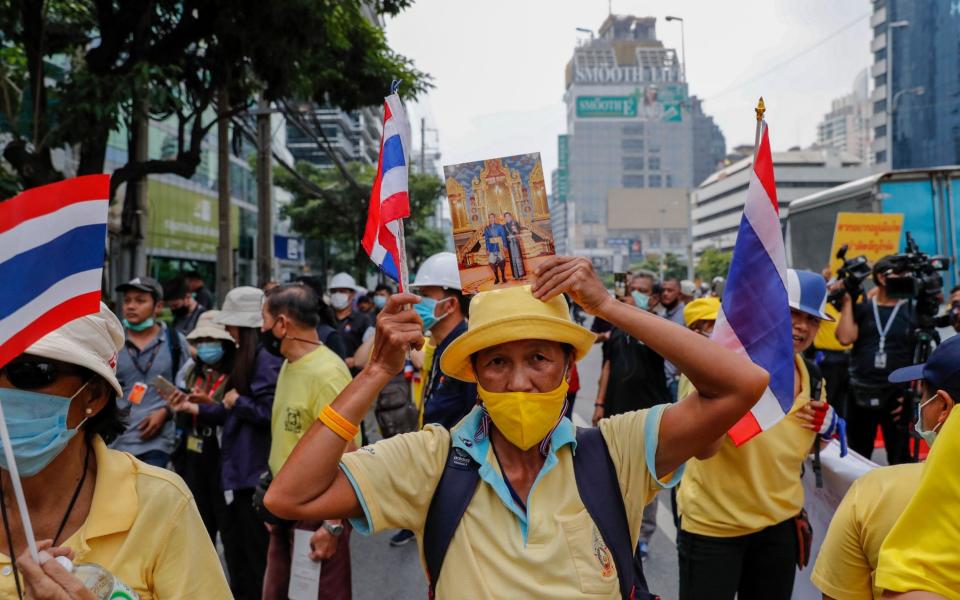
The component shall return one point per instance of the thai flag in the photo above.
(389, 199)
(755, 312)
(52, 241)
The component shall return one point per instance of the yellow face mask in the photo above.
(524, 418)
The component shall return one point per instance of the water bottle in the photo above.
(103, 583)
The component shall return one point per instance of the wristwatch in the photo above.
(334, 529)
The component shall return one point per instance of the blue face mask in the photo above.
(642, 300)
(38, 428)
(379, 302)
(138, 326)
(426, 310)
(210, 352)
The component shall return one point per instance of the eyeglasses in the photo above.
(31, 373)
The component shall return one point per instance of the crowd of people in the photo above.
(266, 405)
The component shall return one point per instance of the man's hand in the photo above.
(187, 407)
(575, 276)
(153, 424)
(323, 545)
(399, 329)
(597, 414)
(230, 399)
(49, 580)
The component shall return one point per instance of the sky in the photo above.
(498, 65)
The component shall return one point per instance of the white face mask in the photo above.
(339, 300)
(929, 435)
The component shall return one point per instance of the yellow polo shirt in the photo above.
(826, 338)
(848, 557)
(551, 550)
(742, 490)
(922, 551)
(304, 387)
(143, 526)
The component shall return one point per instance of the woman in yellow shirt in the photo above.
(526, 531)
(738, 534)
(87, 501)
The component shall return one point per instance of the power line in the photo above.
(789, 59)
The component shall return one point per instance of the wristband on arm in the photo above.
(338, 424)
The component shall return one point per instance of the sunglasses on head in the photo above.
(31, 373)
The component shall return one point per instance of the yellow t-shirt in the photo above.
(143, 527)
(554, 550)
(826, 338)
(848, 557)
(304, 387)
(428, 351)
(922, 551)
(742, 490)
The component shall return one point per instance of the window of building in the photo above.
(674, 240)
(654, 163)
(654, 147)
(590, 243)
(880, 80)
(632, 163)
(632, 181)
(880, 106)
(633, 129)
(635, 144)
(655, 181)
(668, 181)
(880, 157)
(880, 29)
(879, 55)
(880, 131)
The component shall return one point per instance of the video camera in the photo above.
(852, 273)
(915, 276)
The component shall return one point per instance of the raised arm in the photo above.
(311, 486)
(847, 330)
(727, 384)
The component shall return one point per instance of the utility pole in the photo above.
(225, 243)
(141, 152)
(423, 144)
(264, 193)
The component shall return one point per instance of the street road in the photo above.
(382, 572)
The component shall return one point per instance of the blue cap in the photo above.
(807, 292)
(941, 371)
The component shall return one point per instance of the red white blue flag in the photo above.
(52, 240)
(755, 313)
(390, 199)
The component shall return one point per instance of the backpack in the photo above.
(599, 490)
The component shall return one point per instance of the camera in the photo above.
(852, 273)
(915, 276)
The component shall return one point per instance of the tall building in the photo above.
(846, 128)
(717, 203)
(916, 72)
(631, 123)
(353, 135)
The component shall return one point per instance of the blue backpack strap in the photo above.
(456, 489)
(599, 490)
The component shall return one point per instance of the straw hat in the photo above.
(701, 309)
(241, 307)
(509, 315)
(91, 342)
(207, 327)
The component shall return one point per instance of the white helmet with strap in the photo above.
(439, 270)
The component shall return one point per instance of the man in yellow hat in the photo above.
(505, 495)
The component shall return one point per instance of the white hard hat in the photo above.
(91, 342)
(241, 308)
(687, 287)
(342, 281)
(440, 270)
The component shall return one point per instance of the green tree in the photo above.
(675, 268)
(327, 206)
(713, 263)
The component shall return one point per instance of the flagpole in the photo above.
(17, 488)
(760, 110)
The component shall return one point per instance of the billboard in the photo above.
(180, 219)
(651, 103)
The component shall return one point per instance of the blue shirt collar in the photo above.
(469, 437)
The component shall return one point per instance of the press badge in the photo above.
(136, 394)
(880, 360)
(195, 443)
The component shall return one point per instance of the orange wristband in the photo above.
(338, 424)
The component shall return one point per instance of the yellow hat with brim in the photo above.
(510, 315)
(701, 309)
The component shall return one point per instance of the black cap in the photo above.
(143, 284)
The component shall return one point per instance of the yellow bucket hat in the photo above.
(509, 315)
(701, 309)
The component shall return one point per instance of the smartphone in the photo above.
(620, 284)
(164, 387)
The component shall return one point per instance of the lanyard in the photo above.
(136, 361)
(884, 329)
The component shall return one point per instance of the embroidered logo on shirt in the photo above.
(602, 553)
(293, 423)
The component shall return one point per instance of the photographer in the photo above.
(880, 330)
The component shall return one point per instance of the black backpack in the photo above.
(599, 490)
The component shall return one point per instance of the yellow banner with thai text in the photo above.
(873, 235)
